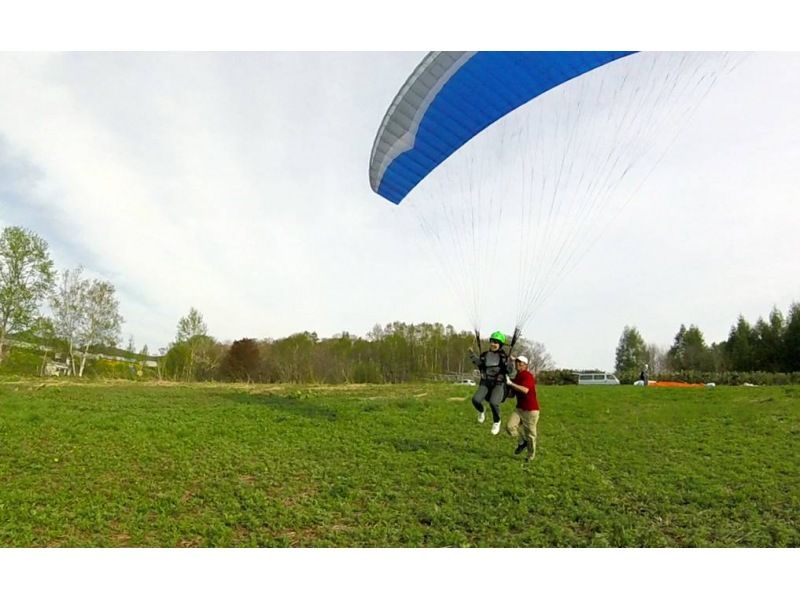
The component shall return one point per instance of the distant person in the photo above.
(494, 368)
(526, 415)
(644, 375)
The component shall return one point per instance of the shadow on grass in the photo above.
(288, 405)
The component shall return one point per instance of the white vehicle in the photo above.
(596, 378)
(466, 382)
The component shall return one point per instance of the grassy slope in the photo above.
(406, 465)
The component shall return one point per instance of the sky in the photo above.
(236, 183)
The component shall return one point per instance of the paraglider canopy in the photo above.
(516, 162)
(453, 96)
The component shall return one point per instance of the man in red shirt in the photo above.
(527, 411)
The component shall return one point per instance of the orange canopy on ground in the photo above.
(675, 384)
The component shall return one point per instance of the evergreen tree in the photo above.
(689, 351)
(739, 346)
(768, 347)
(791, 340)
(631, 354)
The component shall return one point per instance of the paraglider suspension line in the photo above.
(514, 339)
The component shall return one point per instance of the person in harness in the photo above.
(644, 375)
(494, 367)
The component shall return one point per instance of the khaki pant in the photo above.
(529, 421)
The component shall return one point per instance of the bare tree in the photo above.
(66, 304)
(42, 333)
(192, 331)
(538, 357)
(657, 358)
(191, 325)
(101, 321)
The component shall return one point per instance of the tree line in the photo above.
(393, 353)
(84, 320)
(770, 346)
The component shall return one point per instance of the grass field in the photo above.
(401, 466)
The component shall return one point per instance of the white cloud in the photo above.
(237, 183)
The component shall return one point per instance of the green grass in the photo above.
(403, 465)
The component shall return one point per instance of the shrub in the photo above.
(23, 362)
(556, 377)
(732, 378)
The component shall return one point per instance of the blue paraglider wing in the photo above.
(453, 96)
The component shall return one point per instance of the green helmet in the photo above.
(499, 337)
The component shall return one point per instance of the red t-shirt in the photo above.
(526, 401)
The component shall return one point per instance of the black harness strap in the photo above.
(514, 338)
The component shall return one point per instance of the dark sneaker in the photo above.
(521, 447)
